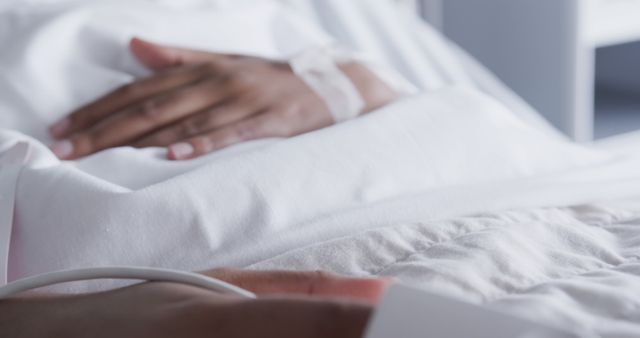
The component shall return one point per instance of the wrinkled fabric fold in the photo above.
(11, 164)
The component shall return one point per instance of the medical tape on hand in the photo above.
(319, 69)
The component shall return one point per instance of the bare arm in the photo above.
(296, 305)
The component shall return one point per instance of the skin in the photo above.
(290, 305)
(199, 102)
(194, 104)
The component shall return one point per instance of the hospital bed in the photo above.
(462, 189)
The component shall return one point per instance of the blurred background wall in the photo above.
(576, 61)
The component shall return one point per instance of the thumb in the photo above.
(305, 283)
(159, 57)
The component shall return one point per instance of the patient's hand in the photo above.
(200, 102)
(292, 305)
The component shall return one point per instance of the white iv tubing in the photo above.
(129, 273)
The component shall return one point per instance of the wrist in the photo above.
(374, 91)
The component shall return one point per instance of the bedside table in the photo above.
(546, 50)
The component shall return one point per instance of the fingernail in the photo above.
(181, 151)
(60, 127)
(62, 149)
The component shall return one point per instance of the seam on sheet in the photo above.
(497, 219)
(425, 246)
(423, 249)
(524, 290)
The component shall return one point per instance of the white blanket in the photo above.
(575, 268)
(127, 206)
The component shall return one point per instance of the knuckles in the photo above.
(129, 91)
(242, 132)
(241, 81)
(192, 126)
(150, 109)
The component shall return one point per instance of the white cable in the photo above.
(132, 273)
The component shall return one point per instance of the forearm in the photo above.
(34, 316)
(375, 92)
(291, 304)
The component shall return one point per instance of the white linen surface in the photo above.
(234, 208)
(575, 268)
(367, 197)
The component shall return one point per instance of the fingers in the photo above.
(193, 109)
(261, 126)
(283, 122)
(201, 123)
(305, 283)
(157, 57)
(124, 97)
(143, 118)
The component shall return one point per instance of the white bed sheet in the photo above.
(133, 207)
(574, 268)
